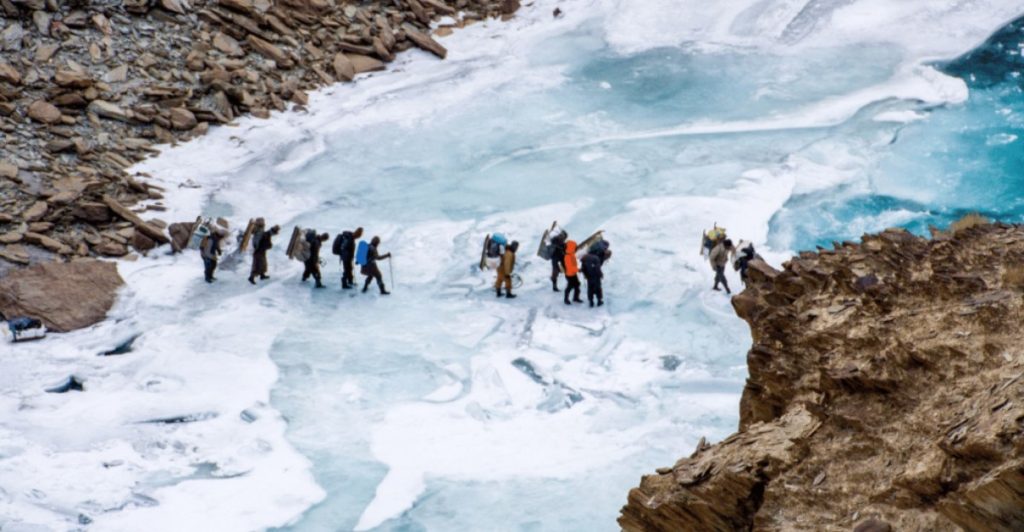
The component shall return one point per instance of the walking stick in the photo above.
(391, 272)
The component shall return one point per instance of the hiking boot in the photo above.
(600, 303)
(554, 286)
(252, 281)
(385, 293)
(320, 285)
(264, 277)
(577, 300)
(365, 289)
(510, 295)
(716, 289)
(567, 302)
(497, 292)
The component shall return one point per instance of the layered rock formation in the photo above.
(65, 296)
(88, 87)
(886, 391)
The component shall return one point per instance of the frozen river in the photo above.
(790, 122)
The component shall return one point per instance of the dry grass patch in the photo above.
(967, 222)
(1013, 277)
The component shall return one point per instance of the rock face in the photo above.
(88, 88)
(886, 391)
(65, 296)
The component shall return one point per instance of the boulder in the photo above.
(270, 51)
(425, 41)
(227, 44)
(43, 111)
(182, 118)
(71, 79)
(343, 67)
(106, 109)
(9, 74)
(35, 212)
(65, 296)
(180, 231)
(91, 211)
(364, 63)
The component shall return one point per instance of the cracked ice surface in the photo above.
(441, 407)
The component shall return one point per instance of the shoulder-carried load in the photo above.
(550, 240)
(710, 239)
(494, 247)
(362, 252)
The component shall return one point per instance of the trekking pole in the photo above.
(391, 272)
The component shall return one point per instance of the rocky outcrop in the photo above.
(886, 391)
(65, 296)
(88, 88)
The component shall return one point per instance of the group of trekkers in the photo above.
(720, 250)
(556, 247)
(306, 249)
(562, 253)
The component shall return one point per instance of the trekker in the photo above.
(745, 254)
(259, 254)
(557, 257)
(370, 269)
(571, 273)
(209, 249)
(313, 262)
(345, 247)
(719, 258)
(592, 271)
(508, 264)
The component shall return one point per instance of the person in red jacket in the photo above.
(572, 270)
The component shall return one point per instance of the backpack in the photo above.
(499, 238)
(591, 265)
(494, 249)
(598, 248)
(303, 252)
(362, 253)
(337, 245)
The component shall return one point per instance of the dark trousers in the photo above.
(209, 265)
(572, 286)
(371, 275)
(312, 270)
(259, 265)
(720, 278)
(347, 279)
(594, 289)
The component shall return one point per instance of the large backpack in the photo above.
(337, 245)
(591, 265)
(303, 251)
(362, 253)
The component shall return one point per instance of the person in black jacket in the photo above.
(259, 254)
(345, 246)
(592, 271)
(313, 262)
(557, 256)
(370, 269)
(209, 249)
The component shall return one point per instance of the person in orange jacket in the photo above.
(572, 270)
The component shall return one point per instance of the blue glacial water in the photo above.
(962, 158)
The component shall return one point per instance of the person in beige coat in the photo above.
(505, 269)
(719, 258)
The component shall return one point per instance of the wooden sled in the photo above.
(583, 247)
(293, 243)
(247, 235)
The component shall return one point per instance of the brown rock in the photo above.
(72, 79)
(242, 6)
(179, 232)
(425, 41)
(45, 51)
(106, 109)
(46, 242)
(116, 75)
(145, 228)
(364, 63)
(270, 51)
(182, 118)
(8, 170)
(142, 242)
(343, 67)
(9, 74)
(35, 212)
(11, 237)
(111, 248)
(65, 296)
(174, 6)
(43, 111)
(227, 44)
(16, 254)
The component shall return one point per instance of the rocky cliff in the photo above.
(88, 87)
(886, 392)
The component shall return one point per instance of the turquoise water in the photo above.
(961, 159)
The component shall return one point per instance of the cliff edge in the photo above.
(886, 392)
